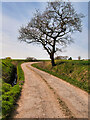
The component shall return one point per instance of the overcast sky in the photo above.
(15, 14)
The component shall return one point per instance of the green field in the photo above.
(73, 71)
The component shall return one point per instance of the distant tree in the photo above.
(70, 58)
(8, 57)
(52, 28)
(31, 59)
(79, 57)
(61, 57)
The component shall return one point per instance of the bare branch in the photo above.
(53, 27)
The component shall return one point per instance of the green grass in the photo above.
(72, 71)
(0, 97)
(10, 94)
(20, 73)
(8, 70)
(9, 97)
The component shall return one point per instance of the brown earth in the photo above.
(46, 96)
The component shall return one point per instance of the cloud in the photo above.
(12, 47)
(15, 49)
(74, 51)
(10, 44)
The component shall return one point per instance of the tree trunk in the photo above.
(52, 59)
(53, 62)
(52, 53)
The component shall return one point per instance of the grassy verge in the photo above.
(8, 70)
(20, 74)
(10, 94)
(74, 72)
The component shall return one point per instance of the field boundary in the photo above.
(10, 94)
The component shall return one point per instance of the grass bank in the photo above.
(73, 71)
(10, 94)
(20, 74)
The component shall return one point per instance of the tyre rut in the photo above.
(62, 104)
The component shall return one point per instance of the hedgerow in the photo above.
(10, 93)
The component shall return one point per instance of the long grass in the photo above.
(20, 73)
(74, 72)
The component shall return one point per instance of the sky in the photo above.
(15, 14)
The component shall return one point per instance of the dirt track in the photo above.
(46, 96)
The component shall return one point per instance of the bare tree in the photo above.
(53, 27)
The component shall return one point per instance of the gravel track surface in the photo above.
(46, 96)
